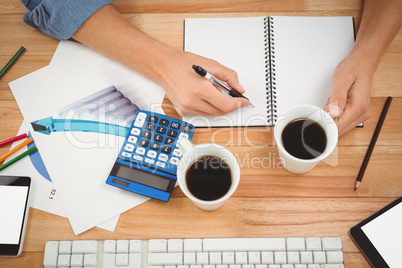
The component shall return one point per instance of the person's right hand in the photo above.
(192, 94)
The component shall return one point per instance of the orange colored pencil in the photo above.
(16, 148)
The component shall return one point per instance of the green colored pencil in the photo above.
(17, 158)
(11, 62)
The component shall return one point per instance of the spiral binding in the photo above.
(270, 80)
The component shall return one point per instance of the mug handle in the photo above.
(184, 145)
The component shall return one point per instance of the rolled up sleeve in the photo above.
(60, 18)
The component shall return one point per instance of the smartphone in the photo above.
(14, 208)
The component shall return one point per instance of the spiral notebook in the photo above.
(281, 61)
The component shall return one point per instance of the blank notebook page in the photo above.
(307, 51)
(237, 43)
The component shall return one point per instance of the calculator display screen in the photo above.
(142, 177)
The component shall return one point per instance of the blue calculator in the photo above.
(148, 160)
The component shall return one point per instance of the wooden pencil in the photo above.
(372, 142)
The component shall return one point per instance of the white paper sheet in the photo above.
(79, 163)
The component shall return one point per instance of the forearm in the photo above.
(380, 23)
(108, 32)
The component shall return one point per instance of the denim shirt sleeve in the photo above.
(60, 18)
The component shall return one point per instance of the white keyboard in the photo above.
(291, 252)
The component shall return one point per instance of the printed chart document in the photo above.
(281, 61)
(79, 162)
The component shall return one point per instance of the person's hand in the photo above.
(350, 100)
(192, 94)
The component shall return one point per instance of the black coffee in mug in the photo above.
(304, 138)
(209, 178)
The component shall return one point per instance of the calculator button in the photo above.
(132, 139)
(163, 157)
(153, 119)
(175, 125)
(176, 152)
(149, 161)
(129, 147)
(169, 141)
(125, 154)
(155, 145)
(151, 154)
(140, 150)
(161, 130)
(146, 135)
(172, 133)
(143, 143)
(140, 120)
(186, 128)
(158, 138)
(174, 161)
(160, 164)
(164, 122)
(166, 149)
(150, 127)
(136, 131)
(137, 157)
(183, 136)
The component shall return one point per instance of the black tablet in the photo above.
(14, 205)
(379, 236)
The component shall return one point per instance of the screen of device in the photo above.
(385, 233)
(13, 200)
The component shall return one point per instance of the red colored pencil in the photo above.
(17, 138)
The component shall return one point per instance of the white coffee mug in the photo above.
(190, 155)
(292, 163)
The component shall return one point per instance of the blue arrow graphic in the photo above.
(49, 125)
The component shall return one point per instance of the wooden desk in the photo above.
(269, 201)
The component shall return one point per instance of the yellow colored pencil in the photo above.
(16, 148)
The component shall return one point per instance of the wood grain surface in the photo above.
(269, 200)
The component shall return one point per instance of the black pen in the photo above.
(218, 83)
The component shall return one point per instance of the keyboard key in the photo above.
(140, 120)
(90, 260)
(331, 243)
(155, 146)
(165, 258)
(85, 246)
(189, 258)
(254, 257)
(77, 260)
(280, 257)
(157, 245)
(63, 261)
(332, 266)
(121, 259)
(228, 258)
(135, 246)
(192, 245)
(132, 139)
(293, 257)
(109, 246)
(135, 131)
(202, 258)
(140, 150)
(169, 141)
(334, 257)
(244, 244)
(146, 135)
(295, 244)
(65, 247)
(135, 260)
(143, 143)
(175, 245)
(241, 257)
(186, 128)
(215, 258)
(51, 252)
(129, 147)
(313, 243)
(267, 257)
(319, 257)
(166, 149)
(306, 257)
(122, 246)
